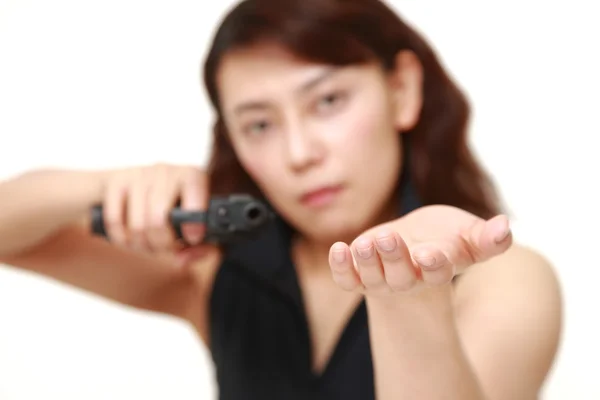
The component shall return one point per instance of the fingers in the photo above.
(342, 267)
(163, 195)
(479, 242)
(138, 204)
(194, 198)
(436, 268)
(379, 263)
(443, 259)
(114, 212)
(400, 272)
(136, 211)
(495, 237)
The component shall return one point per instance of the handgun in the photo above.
(227, 219)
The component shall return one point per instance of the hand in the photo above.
(425, 248)
(137, 203)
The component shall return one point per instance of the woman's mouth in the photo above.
(321, 197)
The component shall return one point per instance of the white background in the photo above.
(97, 84)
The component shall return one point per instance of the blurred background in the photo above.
(96, 84)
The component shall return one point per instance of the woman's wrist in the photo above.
(414, 340)
(420, 315)
(89, 187)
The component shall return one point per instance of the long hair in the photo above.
(344, 32)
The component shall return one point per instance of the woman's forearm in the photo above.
(417, 352)
(37, 203)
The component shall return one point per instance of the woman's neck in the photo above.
(310, 254)
(315, 253)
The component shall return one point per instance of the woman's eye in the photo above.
(256, 128)
(330, 100)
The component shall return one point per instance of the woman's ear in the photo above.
(407, 90)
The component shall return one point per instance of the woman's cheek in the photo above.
(263, 171)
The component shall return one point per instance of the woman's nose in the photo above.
(304, 150)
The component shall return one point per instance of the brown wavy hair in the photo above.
(345, 32)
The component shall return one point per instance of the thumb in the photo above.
(489, 238)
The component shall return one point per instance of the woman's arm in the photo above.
(495, 340)
(492, 335)
(37, 204)
(43, 229)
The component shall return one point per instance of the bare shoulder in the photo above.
(519, 271)
(509, 315)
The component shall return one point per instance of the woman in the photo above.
(390, 272)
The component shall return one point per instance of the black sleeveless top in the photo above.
(260, 342)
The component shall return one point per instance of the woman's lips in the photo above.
(321, 197)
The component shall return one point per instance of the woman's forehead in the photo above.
(245, 76)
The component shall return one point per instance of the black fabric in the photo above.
(260, 342)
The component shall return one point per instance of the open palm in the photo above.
(430, 245)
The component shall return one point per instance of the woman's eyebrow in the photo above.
(310, 83)
(316, 80)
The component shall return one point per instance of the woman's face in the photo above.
(322, 143)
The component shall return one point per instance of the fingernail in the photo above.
(386, 243)
(339, 256)
(365, 252)
(502, 235)
(194, 239)
(193, 234)
(426, 262)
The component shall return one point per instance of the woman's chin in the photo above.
(329, 232)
